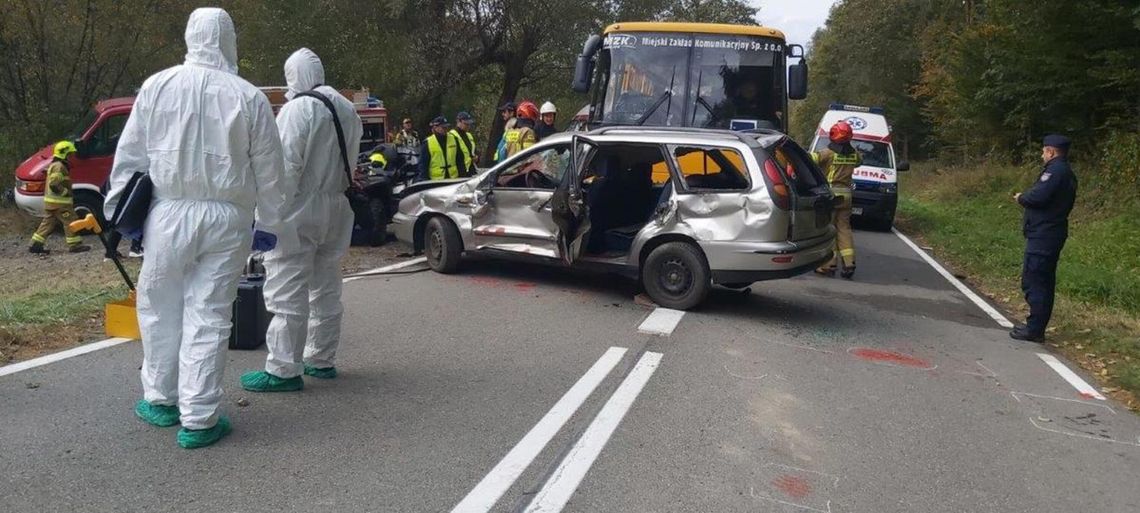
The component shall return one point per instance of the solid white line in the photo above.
(1086, 390)
(62, 355)
(565, 480)
(662, 321)
(993, 313)
(385, 269)
(485, 494)
(95, 346)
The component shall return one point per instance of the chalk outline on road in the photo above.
(1083, 388)
(565, 479)
(985, 306)
(111, 342)
(1066, 433)
(500, 479)
(752, 490)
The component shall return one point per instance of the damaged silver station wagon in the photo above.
(680, 209)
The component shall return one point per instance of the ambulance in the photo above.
(876, 181)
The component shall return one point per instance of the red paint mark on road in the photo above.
(1088, 395)
(497, 283)
(486, 281)
(890, 358)
(525, 286)
(795, 486)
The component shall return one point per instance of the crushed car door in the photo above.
(514, 211)
(568, 204)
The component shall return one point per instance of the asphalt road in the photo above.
(500, 389)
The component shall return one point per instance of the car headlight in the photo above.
(889, 188)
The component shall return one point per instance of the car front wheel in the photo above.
(442, 245)
(675, 275)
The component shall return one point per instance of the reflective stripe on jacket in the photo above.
(57, 190)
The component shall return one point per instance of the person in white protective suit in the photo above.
(303, 280)
(208, 140)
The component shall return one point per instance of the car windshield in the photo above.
(88, 119)
(692, 80)
(874, 153)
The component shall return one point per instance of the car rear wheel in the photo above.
(88, 202)
(442, 245)
(675, 275)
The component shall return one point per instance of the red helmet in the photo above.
(840, 133)
(527, 110)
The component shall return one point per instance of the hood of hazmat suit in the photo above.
(208, 140)
(303, 281)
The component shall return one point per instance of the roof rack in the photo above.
(740, 135)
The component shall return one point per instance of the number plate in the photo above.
(857, 211)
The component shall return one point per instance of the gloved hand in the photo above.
(264, 241)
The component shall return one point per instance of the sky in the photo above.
(798, 19)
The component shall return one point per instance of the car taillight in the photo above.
(779, 188)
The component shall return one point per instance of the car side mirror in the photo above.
(584, 67)
(798, 80)
(82, 149)
(903, 166)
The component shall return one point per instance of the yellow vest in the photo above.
(442, 164)
(466, 148)
(57, 190)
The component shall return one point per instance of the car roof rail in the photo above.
(746, 136)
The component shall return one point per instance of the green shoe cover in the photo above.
(157, 415)
(261, 381)
(319, 372)
(198, 438)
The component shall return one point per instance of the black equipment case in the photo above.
(251, 319)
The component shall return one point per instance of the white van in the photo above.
(876, 182)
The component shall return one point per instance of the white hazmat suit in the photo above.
(303, 278)
(208, 140)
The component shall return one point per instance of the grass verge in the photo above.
(969, 218)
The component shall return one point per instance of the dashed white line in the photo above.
(1086, 390)
(989, 309)
(565, 480)
(662, 321)
(484, 496)
(62, 355)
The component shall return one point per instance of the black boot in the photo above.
(1023, 333)
(38, 248)
(79, 248)
(848, 272)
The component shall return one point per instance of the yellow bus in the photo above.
(690, 75)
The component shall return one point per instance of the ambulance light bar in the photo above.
(857, 108)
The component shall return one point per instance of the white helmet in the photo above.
(548, 108)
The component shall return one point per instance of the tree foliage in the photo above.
(981, 77)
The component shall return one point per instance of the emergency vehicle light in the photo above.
(857, 108)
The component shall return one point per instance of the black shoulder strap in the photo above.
(339, 130)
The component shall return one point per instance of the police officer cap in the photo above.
(439, 120)
(508, 106)
(1057, 141)
(464, 116)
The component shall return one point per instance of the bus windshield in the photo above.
(700, 80)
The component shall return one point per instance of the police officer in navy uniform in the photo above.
(1046, 226)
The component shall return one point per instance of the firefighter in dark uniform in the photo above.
(1046, 226)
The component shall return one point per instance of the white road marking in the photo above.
(993, 313)
(95, 346)
(1086, 390)
(62, 355)
(662, 321)
(565, 480)
(488, 492)
(386, 269)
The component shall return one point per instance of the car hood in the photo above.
(33, 168)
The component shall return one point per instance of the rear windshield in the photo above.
(797, 166)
